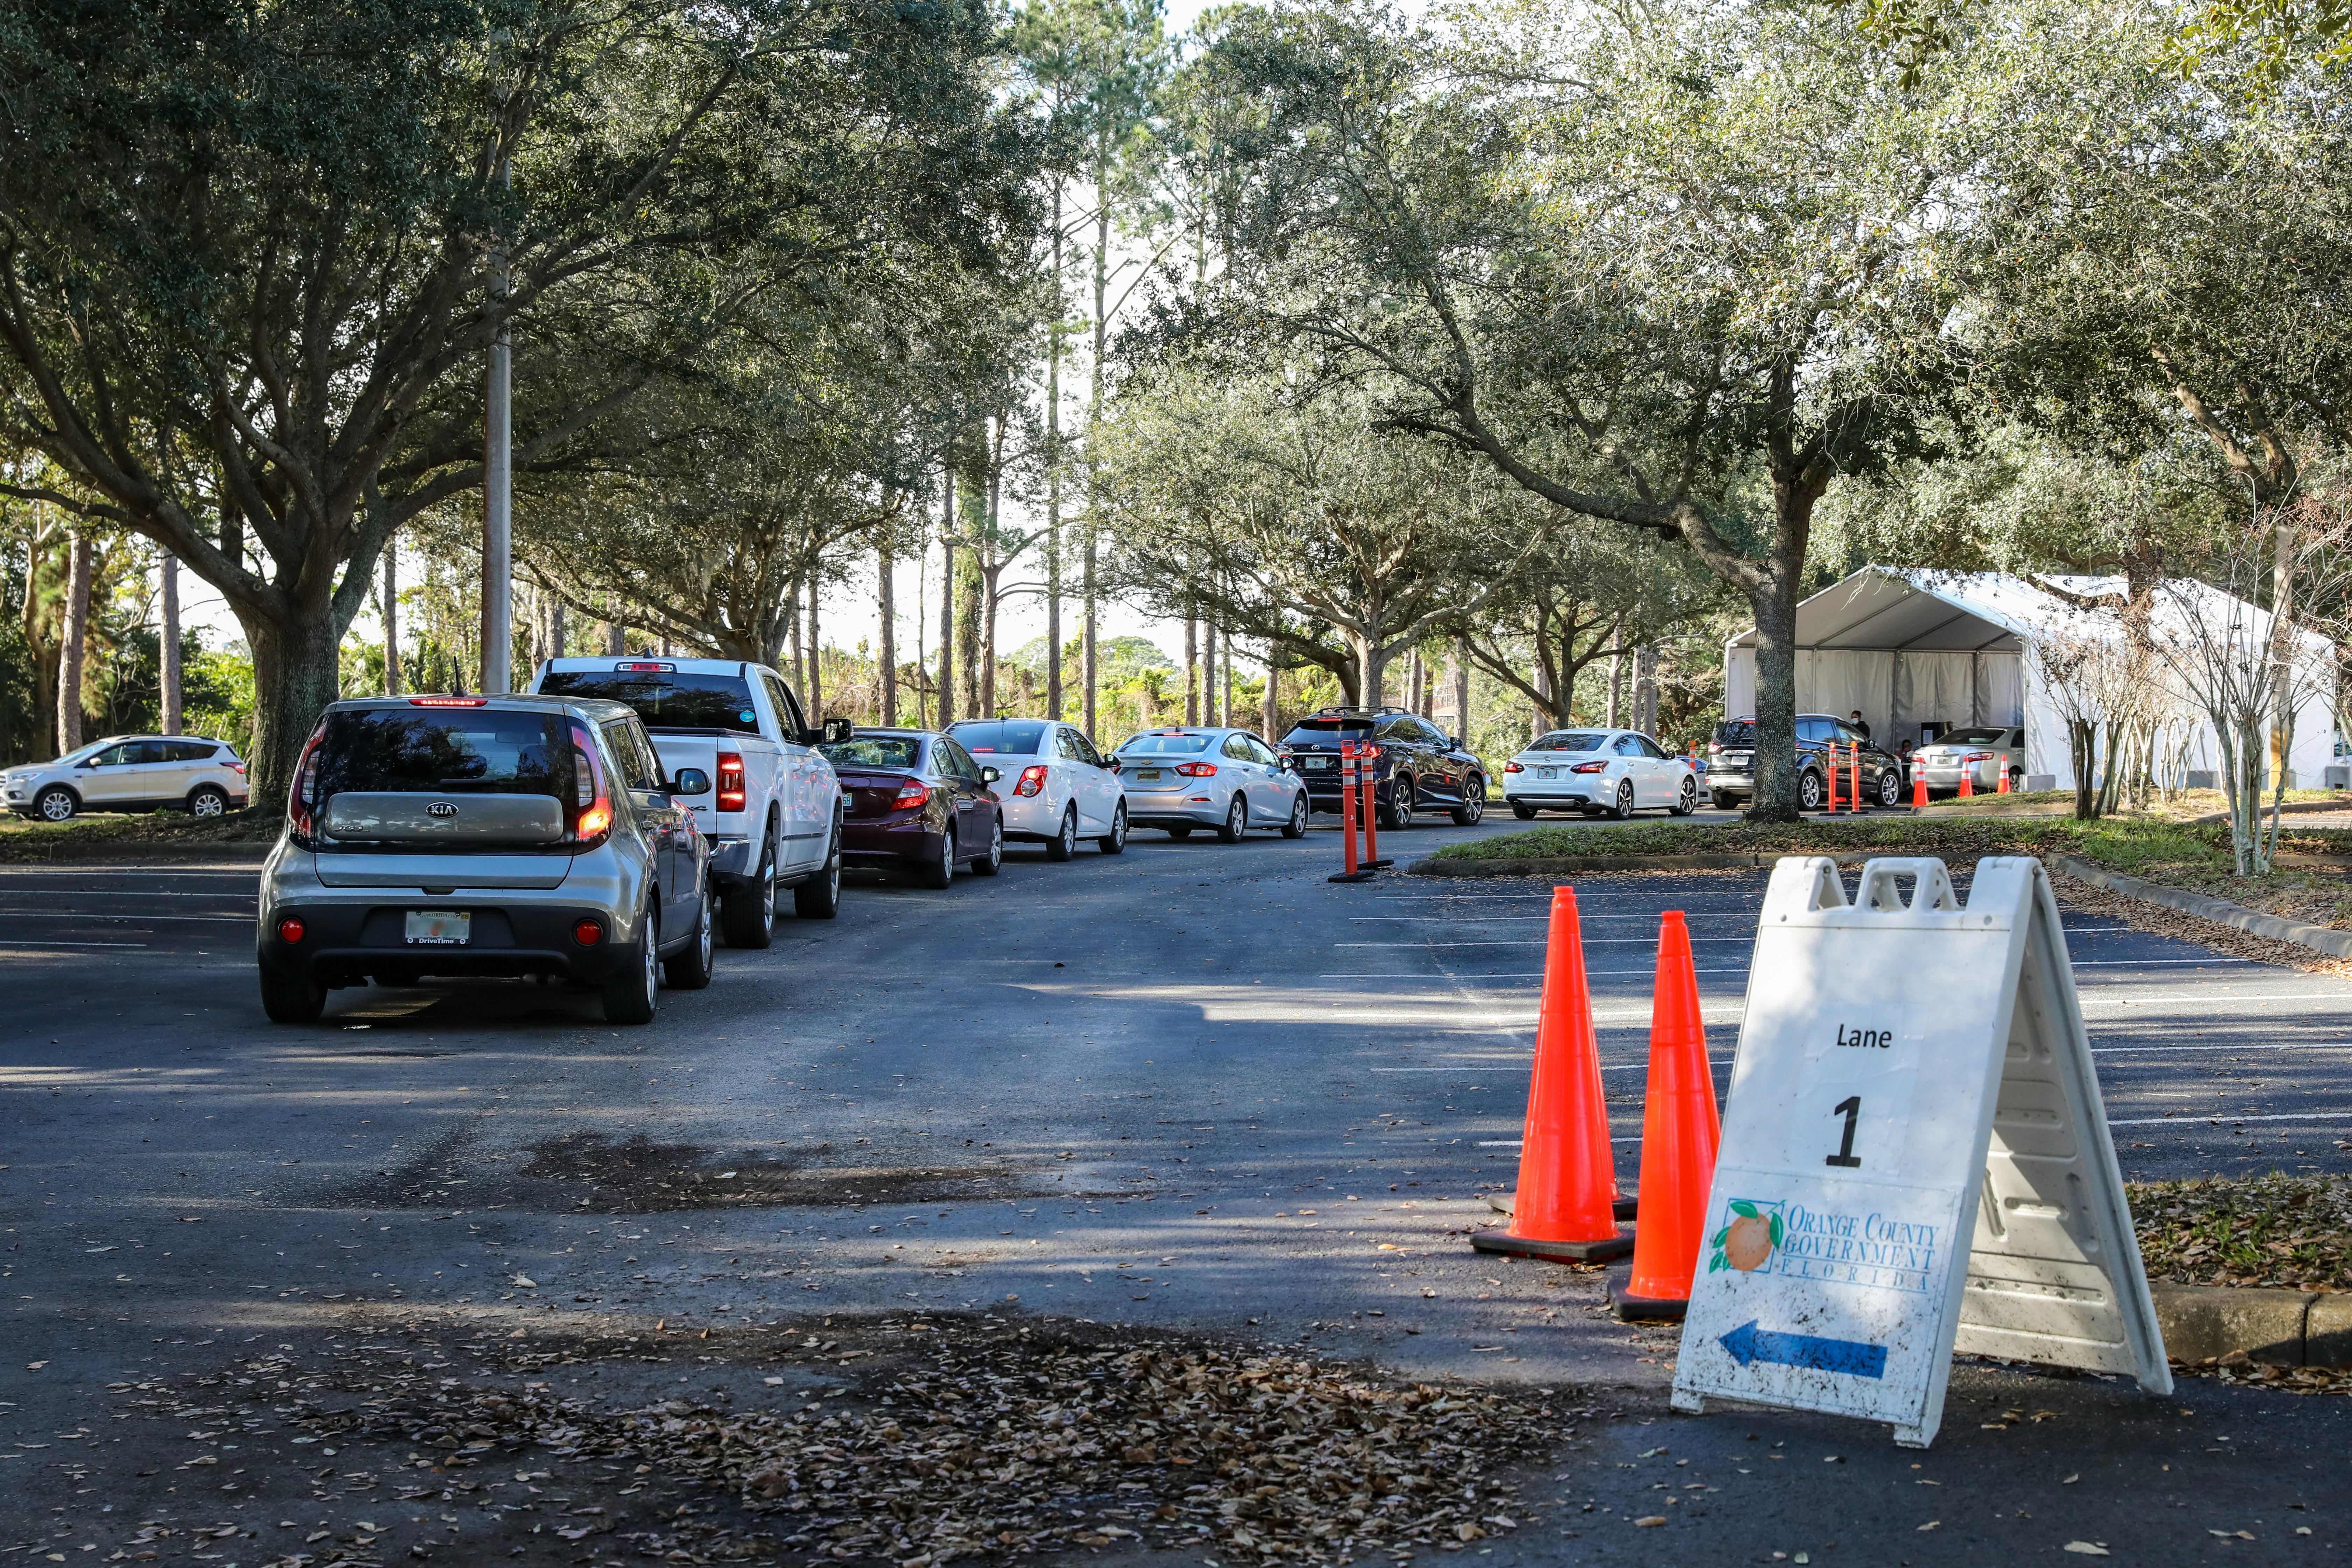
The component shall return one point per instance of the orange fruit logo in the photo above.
(1747, 1241)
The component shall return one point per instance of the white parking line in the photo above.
(2112, 1050)
(35, 943)
(2330, 1118)
(68, 915)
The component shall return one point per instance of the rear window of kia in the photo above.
(480, 751)
(665, 699)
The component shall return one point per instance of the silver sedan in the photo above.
(1180, 779)
(1984, 752)
(1593, 771)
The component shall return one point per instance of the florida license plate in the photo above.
(439, 928)
(1147, 773)
(1319, 761)
(1547, 773)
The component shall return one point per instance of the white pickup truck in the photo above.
(774, 813)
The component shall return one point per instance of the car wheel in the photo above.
(1524, 813)
(1064, 842)
(629, 995)
(1236, 821)
(1295, 828)
(55, 803)
(2017, 781)
(1810, 793)
(747, 915)
(1397, 816)
(1890, 787)
(1473, 809)
(1686, 798)
(990, 864)
(1624, 808)
(819, 898)
(1115, 841)
(1722, 802)
(939, 872)
(206, 800)
(690, 968)
(1180, 832)
(291, 998)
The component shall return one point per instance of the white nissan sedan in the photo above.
(1054, 788)
(1616, 771)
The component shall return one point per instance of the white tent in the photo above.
(1913, 649)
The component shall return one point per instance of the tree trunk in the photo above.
(74, 643)
(294, 679)
(43, 649)
(816, 662)
(947, 599)
(1460, 660)
(1054, 479)
(1270, 716)
(1226, 675)
(1191, 669)
(391, 623)
(170, 695)
(1773, 603)
(886, 685)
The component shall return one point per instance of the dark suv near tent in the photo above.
(1417, 767)
(1731, 763)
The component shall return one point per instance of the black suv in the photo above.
(1731, 763)
(1417, 767)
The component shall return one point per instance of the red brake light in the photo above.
(730, 781)
(1977, 757)
(1197, 770)
(290, 930)
(914, 792)
(1033, 779)
(1513, 768)
(647, 665)
(591, 802)
(588, 932)
(1590, 768)
(302, 798)
(449, 702)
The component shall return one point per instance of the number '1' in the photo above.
(1850, 1107)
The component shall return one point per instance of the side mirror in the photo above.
(689, 780)
(835, 730)
(990, 776)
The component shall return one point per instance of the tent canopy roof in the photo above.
(1881, 610)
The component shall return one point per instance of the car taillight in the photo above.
(1713, 747)
(913, 793)
(1513, 768)
(290, 930)
(449, 702)
(236, 768)
(302, 798)
(1368, 750)
(1977, 757)
(730, 781)
(1197, 770)
(588, 932)
(1590, 768)
(591, 802)
(1033, 779)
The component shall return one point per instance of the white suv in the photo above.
(130, 772)
(773, 815)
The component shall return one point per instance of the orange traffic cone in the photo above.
(1566, 1202)
(1967, 780)
(2003, 787)
(1918, 787)
(1680, 1131)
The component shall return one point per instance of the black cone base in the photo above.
(1509, 1246)
(1350, 877)
(1642, 1308)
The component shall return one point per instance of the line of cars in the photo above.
(608, 825)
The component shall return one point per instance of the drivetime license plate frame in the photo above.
(439, 928)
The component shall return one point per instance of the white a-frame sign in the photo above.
(1913, 1079)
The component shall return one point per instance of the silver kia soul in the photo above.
(485, 836)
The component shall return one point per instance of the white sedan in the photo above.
(1054, 788)
(1618, 771)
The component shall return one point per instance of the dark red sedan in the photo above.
(916, 799)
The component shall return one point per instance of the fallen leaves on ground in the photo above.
(2279, 1230)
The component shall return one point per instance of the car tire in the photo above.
(990, 864)
(940, 872)
(2017, 781)
(1473, 809)
(1064, 844)
(1236, 822)
(1623, 809)
(1180, 832)
(747, 915)
(291, 998)
(629, 996)
(1811, 791)
(1722, 802)
(1890, 787)
(1686, 798)
(1115, 841)
(207, 800)
(688, 969)
(1524, 813)
(819, 898)
(55, 803)
(1295, 825)
(1397, 814)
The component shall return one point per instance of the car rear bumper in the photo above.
(346, 940)
(879, 843)
(1547, 796)
(1986, 774)
(1176, 808)
(1030, 818)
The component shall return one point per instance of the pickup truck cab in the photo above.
(774, 818)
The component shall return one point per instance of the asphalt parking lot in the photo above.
(1195, 1088)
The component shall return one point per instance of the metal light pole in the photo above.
(497, 486)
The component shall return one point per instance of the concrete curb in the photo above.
(1560, 865)
(2289, 808)
(2231, 1323)
(2318, 939)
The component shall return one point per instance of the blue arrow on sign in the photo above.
(1749, 1344)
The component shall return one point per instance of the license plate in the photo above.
(1547, 773)
(1147, 773)
(439, 928)
(1319, 761)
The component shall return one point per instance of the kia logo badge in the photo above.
(441, 808)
